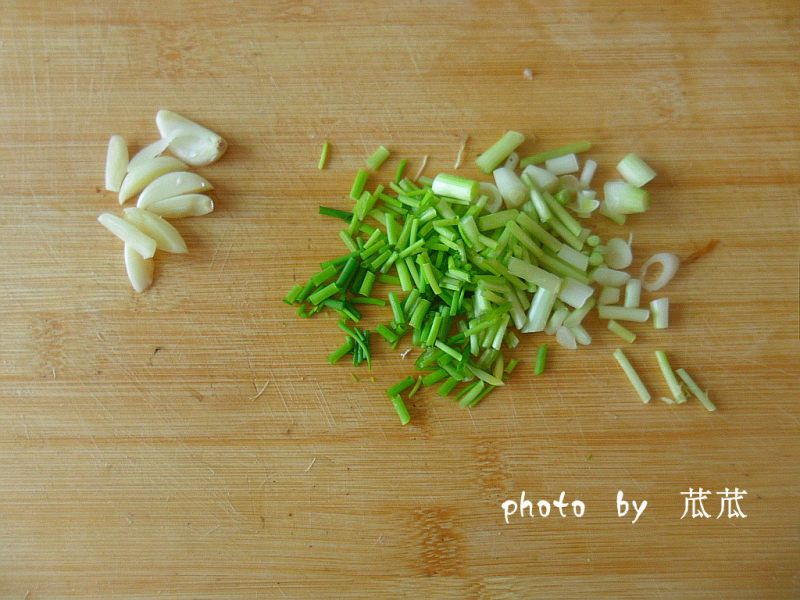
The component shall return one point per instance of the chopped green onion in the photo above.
(635, 171)
(378, 158)
(622, 313)
(387, 333)
(400, 169)
(536, 159)
(291, 297)
(484, 376)
(561, 165)
(401, 409)
(325, 274)
(376, 301)
(358, 184)
(347, 273)
(577, 315)
(632, 375)
(416, 387)
(323, 157)
(434, 376)
(633, 291)
(609, 295)
(669, 376)
(341, 351)
(541, 359)
(400, 386)
(499, 151)
(452, 186)
(324, 293)
(448, 350)
(622, 198)
(447, 386)
(335, 212)
(695, 389)
(472, 392)
(622, 331)
(660, 309)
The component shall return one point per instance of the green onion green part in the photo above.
(632, 375)
(622, 331)
(669, 377)
(499, 151)
(323, 157)
(358, 184)
(541, 359)
(695, 389)
(400, 386)
(536, 159)
(378, 158)
(401, 409)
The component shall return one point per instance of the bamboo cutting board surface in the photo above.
(193, 441)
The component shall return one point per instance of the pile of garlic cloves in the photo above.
(164, 188)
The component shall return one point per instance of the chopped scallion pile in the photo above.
(463, 275)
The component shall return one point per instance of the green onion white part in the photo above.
(669, 266)
(561, 165)
(514, 192)
(660, 309)
(609, 295)
(635, 171)
(618, 253)
(633, 292)
(622, 198)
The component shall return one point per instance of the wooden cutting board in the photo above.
(193, 441)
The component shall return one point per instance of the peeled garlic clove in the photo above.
(130, 234)
(140, 270)
(166, 236)
(148, 153)
(137, 179)
(190, 141)
(171, 184)
(187, 205)
(116, 162)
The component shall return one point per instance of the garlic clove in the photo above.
(129, 233)
(166, 236)
(190, 141)
(149, 152)
(187, 205)
(175, 183)
(138, 178)
(140, 270)
(116, 162)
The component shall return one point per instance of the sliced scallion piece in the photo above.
(323, 157)
(635, 171)
(669, 377)
(632, 375)
(695, 389)
(499, 151)
(541, 359)
(377, 158)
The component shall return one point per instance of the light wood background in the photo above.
(137, 457)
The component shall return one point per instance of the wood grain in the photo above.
(141, 454)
